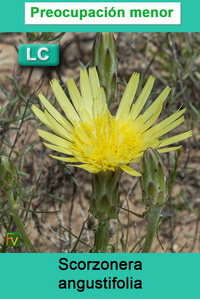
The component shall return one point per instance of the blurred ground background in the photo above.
(47, 185)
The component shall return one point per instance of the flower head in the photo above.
(95, 140)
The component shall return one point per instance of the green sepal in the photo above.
(105, 198)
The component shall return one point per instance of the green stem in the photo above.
(101, 232)
(18, 222)
(153, 219)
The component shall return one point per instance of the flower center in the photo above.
(105, 142)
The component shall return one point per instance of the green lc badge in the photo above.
(38, 55)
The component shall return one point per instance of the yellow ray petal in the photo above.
(139, 104)
(86, 91)
(138, 123)
(97, 107)
(169, 128)
(65, 159)
(41, 116)
(148, 142)
(64, 101)
(175, 139)
(128, 96)
(162, 97)
(102, 96)
(55, 113)
(152, 119)
(99, 104)
(163, 124)
(82, 135)
(84, 115)
(130, 170)
(94, 82)
(53, 138)
(58, 148)
(87, 167)
(74, 94)
(56, 127)
(168, 149)
(101, 107)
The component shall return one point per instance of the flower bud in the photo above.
(104, 58)
(8, 174)
(153, 179)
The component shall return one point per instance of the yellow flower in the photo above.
(95, 140)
